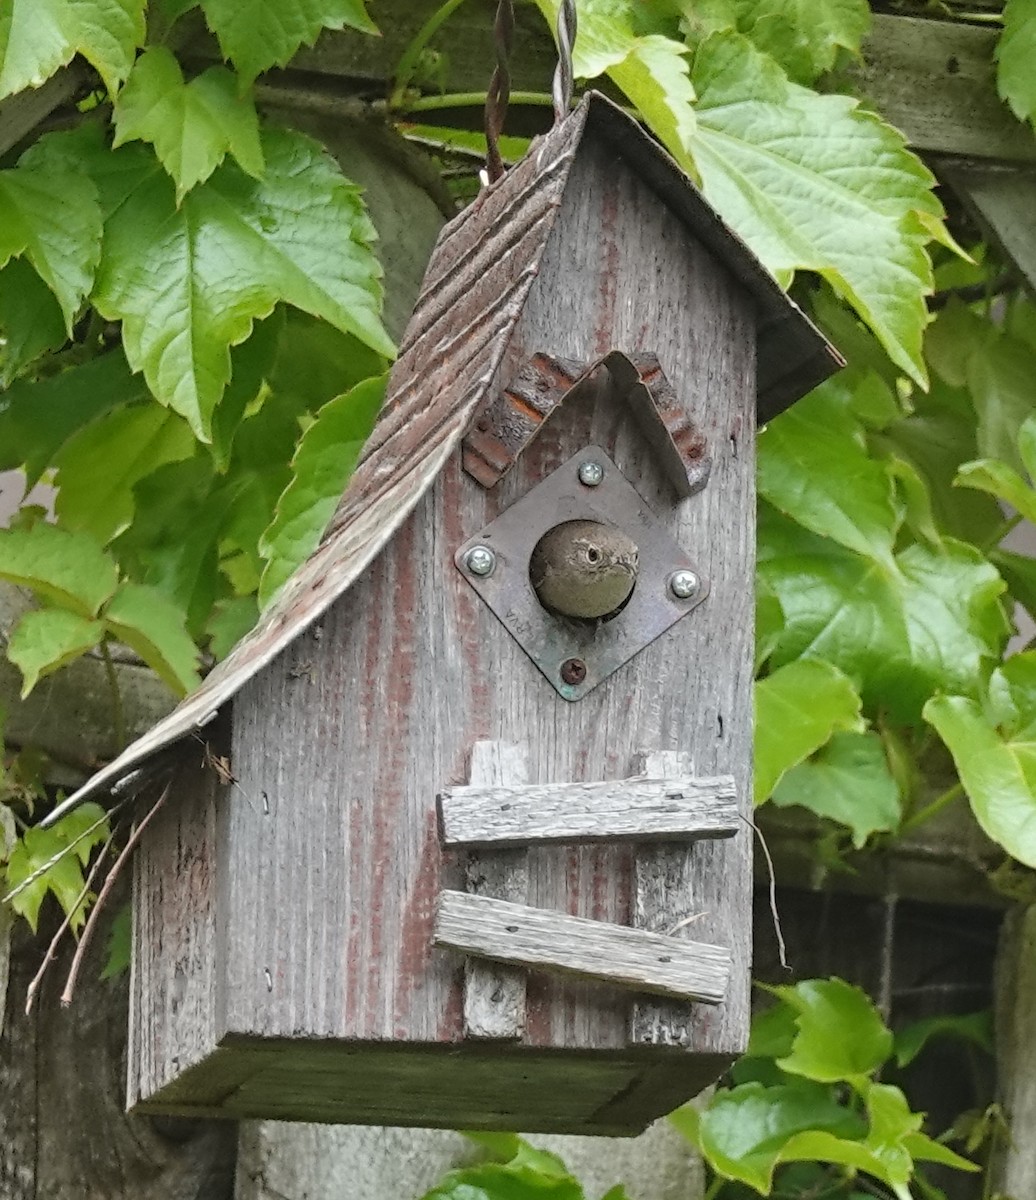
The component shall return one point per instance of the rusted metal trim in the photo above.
(512, 417)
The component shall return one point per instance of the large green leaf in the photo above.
(933, 622)
(193, 126)
(323, 462)
(804, 36)
(814, 466)
(98, 468)
(652, 69)
(999, 376)
(1016, 54)
(998, 479)
(49, 212)
(267, 33)
(48, 638)
(31, 321)
(153, 626)
(188, 283)
(847, 781)
(841, 1035)
(67, 569)
(816, 183)
(797, 709)
(39, 36)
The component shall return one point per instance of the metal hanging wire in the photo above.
(499, 93)
(563, 79)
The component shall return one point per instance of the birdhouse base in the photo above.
(478, 1087)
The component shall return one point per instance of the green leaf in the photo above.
(769, 621)
(840, 1033)
(267, 33)
(153, 626)
(820, 1146)
(997, 771)
(805, 36)
(229, 624)
(1015, 55)
(1019, 570)
(37, 37)
(650, 68)
(50, 213)
(323, 462)
(48, 638)
(816, 183)
(37, 418)
(193, 126)
(187, 283)
(935, 622)
(68, 843)
(814, 466)
(526, 1174)
(797, 708)
(998, 479)
(999, 376)
(847, 781)
(98, 468)
(743, 1131)
(31, 321)
(68, 569)
(976, 1028)
(120, 940)
(926, 1149)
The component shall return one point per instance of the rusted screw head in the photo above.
(684, 584)
(573, 671)
(480, 560)
(590, 473)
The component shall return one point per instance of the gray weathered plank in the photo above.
(1003, 201)
(641, 809)
(22, 112)
(594, 950)
(494, 994)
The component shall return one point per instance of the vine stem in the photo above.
(473, 100)
(936, 806)
(409, 59)
(118, 713)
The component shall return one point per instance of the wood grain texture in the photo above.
(494, 994)
(593, 950)
(21, 113)
(641, 809)
(1002, 201)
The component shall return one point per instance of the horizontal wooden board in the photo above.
(640, 809)
(597, 950)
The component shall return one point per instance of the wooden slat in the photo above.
(596, 950)
(641, 809)
(494, 994)
(21, 113)
(1003, 200)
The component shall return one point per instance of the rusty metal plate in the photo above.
(575, 656)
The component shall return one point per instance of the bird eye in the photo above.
(593, 555)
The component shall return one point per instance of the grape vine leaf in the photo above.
(69, 842)
(1015, 55)
(841, 1035)
(48, 638)
(848, 781)
(994, 748)
(652, 69)
(66, 569)
(797, 709)
(267, 33)
(999, 377)
(323, 462)
(37, 37)
(804, 36)
(31, 321)
(98, 468)
(188, 282)
(192, 126)
(814, 466)
(152, 625)
(816, 183)
(50, 213)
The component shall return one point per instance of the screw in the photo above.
(480, 560)
(684, 584)
(573, 671)
(590, 473)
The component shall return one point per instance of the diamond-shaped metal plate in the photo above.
(552, 641)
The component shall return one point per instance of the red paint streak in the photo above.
(605, 326)
(415, 945)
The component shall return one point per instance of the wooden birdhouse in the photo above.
(484, 863)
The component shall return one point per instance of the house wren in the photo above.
(583, 569)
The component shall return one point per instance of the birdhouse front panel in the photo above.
(477, 855)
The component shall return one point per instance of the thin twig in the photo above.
(48, 958)
(412, 54)
(106, 887)
(774, 914)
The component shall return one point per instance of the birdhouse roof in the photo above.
(477, 282)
